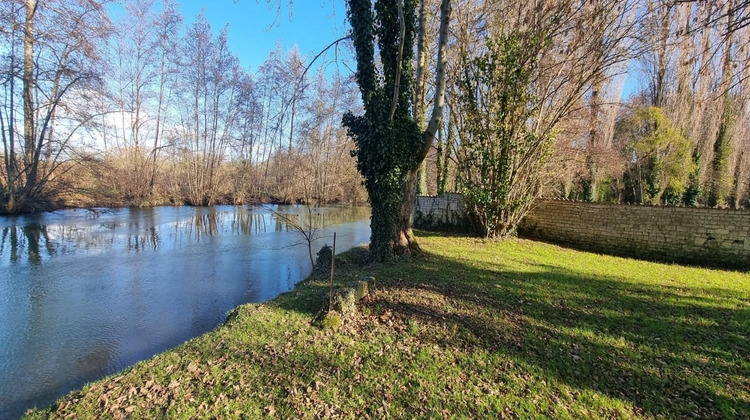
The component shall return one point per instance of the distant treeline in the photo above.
(138, 108)
(141, 109)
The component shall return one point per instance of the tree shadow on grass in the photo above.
(670, 351)
(675, 351)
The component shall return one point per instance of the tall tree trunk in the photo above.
(594, 138)
(739, 179)
(405, 236)
(448, 147)
(741, 182)
(157, 133)
(420, 88)
(698, 127)
(662, 60)
(684, 93)
(28, 97)
(135, 121)
(439, 161)
(723, 142)
(443, 155)
(291, 124)
(10, 153)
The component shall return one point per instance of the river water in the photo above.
(86, 293)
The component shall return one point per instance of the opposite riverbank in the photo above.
(107, 203)
(468, 329)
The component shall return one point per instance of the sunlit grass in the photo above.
(469, 329)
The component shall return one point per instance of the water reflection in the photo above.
(35, 238)
(25, 240)
(86, 293)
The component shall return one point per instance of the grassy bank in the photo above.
(469, 329)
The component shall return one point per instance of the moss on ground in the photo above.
(468, 329)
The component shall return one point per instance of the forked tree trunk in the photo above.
(405, 236)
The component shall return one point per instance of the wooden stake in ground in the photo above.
(333, 261)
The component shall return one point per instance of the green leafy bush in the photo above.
(502, 153)
(661, 161)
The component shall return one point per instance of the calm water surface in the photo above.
(84, 294)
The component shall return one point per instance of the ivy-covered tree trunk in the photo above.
(390, 143)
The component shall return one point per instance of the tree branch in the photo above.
(402, 37)
(436, 118)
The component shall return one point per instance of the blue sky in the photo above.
(254, 30)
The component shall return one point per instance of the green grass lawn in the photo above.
(470, 329)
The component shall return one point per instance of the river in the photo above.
(86, 293)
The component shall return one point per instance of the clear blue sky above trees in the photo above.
(255, 30)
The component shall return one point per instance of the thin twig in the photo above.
(428, 313)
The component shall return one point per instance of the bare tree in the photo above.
(306, 225)
(61, 42)
(575, 48)
(209, 90)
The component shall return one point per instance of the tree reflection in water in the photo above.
(86, 293)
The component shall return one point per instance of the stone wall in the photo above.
(676, 234)
(440, 212)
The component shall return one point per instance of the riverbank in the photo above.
(97, 204)
(469, 329)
